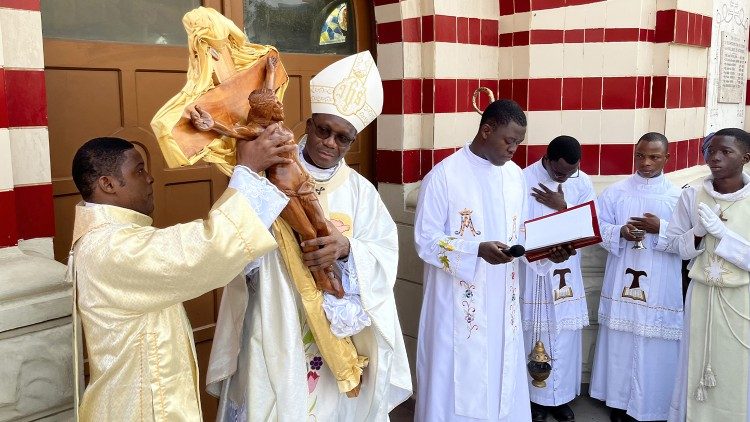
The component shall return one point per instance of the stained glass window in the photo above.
(302, 26)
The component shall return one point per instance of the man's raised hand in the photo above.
(267, 149)
(550, 198)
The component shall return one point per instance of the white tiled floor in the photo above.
(585, 408)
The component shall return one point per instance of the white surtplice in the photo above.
(640, 311)
(470, 357)
(563, 312)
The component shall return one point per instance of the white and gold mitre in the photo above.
(349, 88)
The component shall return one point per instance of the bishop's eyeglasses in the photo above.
(324, 133)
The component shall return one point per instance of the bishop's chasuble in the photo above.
(640, 310)
(563, 298)
(265, 363)
(470, 355)
(713, 377)
(131, 281)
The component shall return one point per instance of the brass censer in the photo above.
(539, 366)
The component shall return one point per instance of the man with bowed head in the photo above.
(131, 278)
(470, 356)
(556, 183)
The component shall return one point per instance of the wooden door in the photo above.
(101, 88)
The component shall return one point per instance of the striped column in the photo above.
(432, 56)
(603, 71)
(26, 210)
(599, 71)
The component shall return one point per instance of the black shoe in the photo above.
(538, 412)
(562, 413)
(618, 415)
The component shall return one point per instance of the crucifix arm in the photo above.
(203, 121)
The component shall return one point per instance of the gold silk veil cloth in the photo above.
(213, 41)
(211, 37)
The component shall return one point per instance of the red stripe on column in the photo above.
(681, 158)
(34, 211)
(413, 96)
(590, 158)
(393, 97)
(412, 171)
(428, 28)
(619, 93)
(658, 91)
(545, 94)
(412, 93)
(8, 229)
(3, 101)
(26, 98)
(445, 28)
(388, 166)
(535, 153)
(665, 25)
(20, 4)
(572, 94)
(489, 32)
(616, 159)
(408, 166)
(546, 36)
(388, 32)
(519, 157)
(506, 7)
(445, 95)
(412, 29)
(462, 30)
(681, 27)
(621, 34)
(706, 30)
(681, 18)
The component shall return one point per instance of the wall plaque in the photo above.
(732, 67)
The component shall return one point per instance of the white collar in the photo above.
(732, 196)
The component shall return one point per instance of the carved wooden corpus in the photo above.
(223, 111)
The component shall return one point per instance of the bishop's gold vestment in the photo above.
(131, 281)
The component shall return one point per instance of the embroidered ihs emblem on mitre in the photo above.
(349, 88)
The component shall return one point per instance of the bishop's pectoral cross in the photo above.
(634, 291)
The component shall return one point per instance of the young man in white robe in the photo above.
(130, 278)
(266, 363)
(470, 357)
(640, 309)
(710, 226)
(555, 183)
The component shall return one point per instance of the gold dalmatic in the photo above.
(131, 280)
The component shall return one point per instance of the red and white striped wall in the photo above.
(602, 71)
(26, 210)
